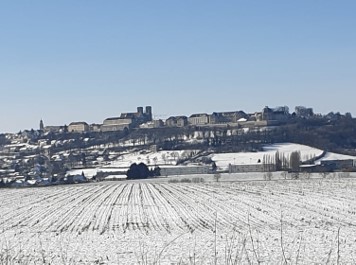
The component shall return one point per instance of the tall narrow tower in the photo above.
(41, 125)
(140, 111)
(148, 113)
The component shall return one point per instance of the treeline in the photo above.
(337, 136)
(282, 162)
(141, 171)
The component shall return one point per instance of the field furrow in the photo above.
(153, 222)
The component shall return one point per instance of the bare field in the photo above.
(264, 222)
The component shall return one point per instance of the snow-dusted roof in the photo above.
(78, 123)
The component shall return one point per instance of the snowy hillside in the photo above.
(335, 156)
(251, 158)
(164, 158)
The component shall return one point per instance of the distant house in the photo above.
(177, 121)
(95, 127)
(227, 117)
(117, 121)
(199, 119)
(171, 122)
(78, 127)
(277, 114)
(53, 129)
(116, 124)
(182, 121)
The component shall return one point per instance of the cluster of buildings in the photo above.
(143, 118)
(123, 122)
(234, 118)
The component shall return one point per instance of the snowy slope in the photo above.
(335, 156)
(170, 158)
(248, 158)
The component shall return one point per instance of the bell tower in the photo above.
(41, 125)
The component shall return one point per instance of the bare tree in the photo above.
(284, 174)
(267, 175)
(217, 177)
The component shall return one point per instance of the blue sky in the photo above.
(66, 61)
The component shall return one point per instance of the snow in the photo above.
(153, 222)
(91, 172)
(124, 161)
(169, 158)
(31, 182)
(88, 172)
(252, 158)
(149, 158)
(116, 177)
(22, 146)
(335, 156)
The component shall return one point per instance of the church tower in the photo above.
(41, 125)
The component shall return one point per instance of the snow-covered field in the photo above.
(125, 160)
(154, 222)
(150, 158)
(253, 158)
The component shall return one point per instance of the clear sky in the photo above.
(87, 60)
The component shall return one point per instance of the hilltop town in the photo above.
(50, 153)
(144, 119)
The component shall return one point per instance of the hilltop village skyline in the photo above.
(145, 118)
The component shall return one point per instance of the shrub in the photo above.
(185, 180)
(217, 177)
(173, 181)
(197, 180)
